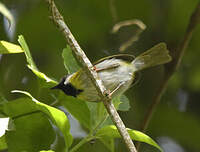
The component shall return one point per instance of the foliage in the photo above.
(24, 109)
(177, 117)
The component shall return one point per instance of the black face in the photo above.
(68, 89)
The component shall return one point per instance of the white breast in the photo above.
(111, 78)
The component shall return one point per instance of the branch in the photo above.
(80, 55)
(141, 27)
(172, 67)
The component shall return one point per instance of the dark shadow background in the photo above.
(176, 124)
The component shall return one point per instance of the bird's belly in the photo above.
(111, 79)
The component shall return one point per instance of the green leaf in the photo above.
(19, 107)
(45, 81)
(7, 13)
(31, 126)
(3, 144)
(77, 108)
(109, 143)
(32, 133)
(124, 105)
(99, 112)
(7, 47)
(47, 151)
(121, 103)
(25, 47)
(112, 132)
(116, 101)
(69, 61)
(57, 117)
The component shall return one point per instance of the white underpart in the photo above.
(111, 77)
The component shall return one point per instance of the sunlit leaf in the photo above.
(7, 47)
(112, 132)
(47, 151)
(6, 13)
(69, 61)
(45, 81)
(25, 47)
(57, 117)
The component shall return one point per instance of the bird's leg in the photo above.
(107, 67)
(117, 88)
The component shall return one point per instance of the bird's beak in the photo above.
(56, 87)
(59, 85)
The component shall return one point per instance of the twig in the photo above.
(82, 142)
(90, 136)
(80, 55)
(121, 24)
(172, 67)
(135, 37)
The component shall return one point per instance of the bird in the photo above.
(117, 72)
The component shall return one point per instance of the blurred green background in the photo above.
(176, 123)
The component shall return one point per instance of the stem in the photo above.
(141, 27)
(85, 140)
(120, 126)
(172, 67)
(91, 73)
(99, 124)
(90, 135)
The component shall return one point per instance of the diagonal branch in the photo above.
(80, 55)
(172, 67)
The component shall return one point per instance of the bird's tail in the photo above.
(155, 56)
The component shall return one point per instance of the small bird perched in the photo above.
(117, 73)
